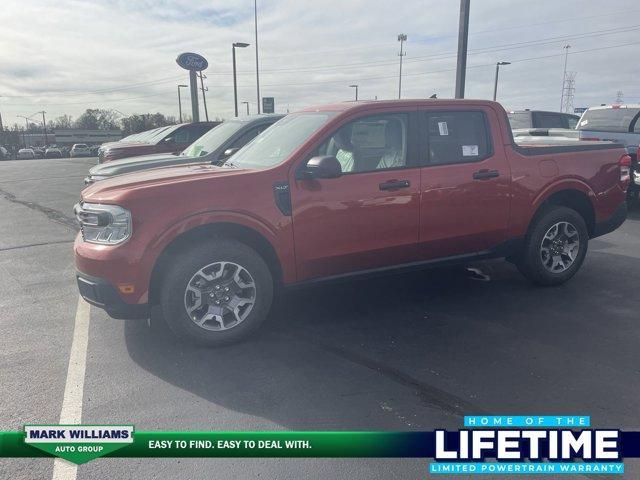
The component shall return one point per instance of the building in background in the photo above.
(67, 137)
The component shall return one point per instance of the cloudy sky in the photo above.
(68, 55)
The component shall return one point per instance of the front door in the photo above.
(368, 217)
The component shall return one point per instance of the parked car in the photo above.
(341, 190)
(521, 119)
(39, 152)
(170, 139)
(80, 150)
(94, 150)
(617, 123)
(26, 153)
(53, 152)
(214, 147)
(4, 153)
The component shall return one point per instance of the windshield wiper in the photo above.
(229, 164)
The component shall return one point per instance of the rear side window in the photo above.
(457, 137)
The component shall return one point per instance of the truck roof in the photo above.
(627, 105)
(365, 104)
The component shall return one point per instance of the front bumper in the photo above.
(613, 222)
(99, 292)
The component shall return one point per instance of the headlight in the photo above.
(104, 224)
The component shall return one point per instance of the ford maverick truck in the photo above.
(339, 190)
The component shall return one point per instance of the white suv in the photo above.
(80, 150)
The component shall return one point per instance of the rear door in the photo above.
(368, 217)
(465, 181)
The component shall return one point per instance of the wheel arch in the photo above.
(201, 233)
(574, 197)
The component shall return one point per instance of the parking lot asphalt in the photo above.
(406, 352)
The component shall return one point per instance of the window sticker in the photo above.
(444, 129)
(584, 122)
(469, 150)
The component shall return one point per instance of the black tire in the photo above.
(198, 256)
(530, 262)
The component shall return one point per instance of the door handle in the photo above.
(485, 174)
(394, 185)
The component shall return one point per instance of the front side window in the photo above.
(457, 137)
(378, 142)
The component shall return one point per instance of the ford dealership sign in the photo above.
(192, 61)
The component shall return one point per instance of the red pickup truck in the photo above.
(338, 190)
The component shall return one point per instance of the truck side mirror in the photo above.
(325, 166)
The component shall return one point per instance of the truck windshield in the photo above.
(608, 119)
(213, 139)
(276, 143)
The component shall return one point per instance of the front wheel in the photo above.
(216, 292)
(555, 247)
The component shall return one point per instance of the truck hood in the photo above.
(142, 162)
(112, 189)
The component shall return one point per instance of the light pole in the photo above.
(463, 40)
(401, 38)
(204, 99)
(180, 102)
(235, 82)
(255, 14)
(247, 104)
(495, 85)
(356, 87)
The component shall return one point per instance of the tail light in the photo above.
(625, 169)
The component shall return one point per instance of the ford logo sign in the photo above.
(192, 61)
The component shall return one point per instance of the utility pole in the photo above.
(204, 99)
(26, 122)
(401, 38)
(44, 128)
(180, 102)
(255, 14)
(619, 98)
(463, 37)
(495, 85)
(564, 73)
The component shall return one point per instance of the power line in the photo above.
(577, 52)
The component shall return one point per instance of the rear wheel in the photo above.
(555, 247)
(217, 292)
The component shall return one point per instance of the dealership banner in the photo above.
(486, 445)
